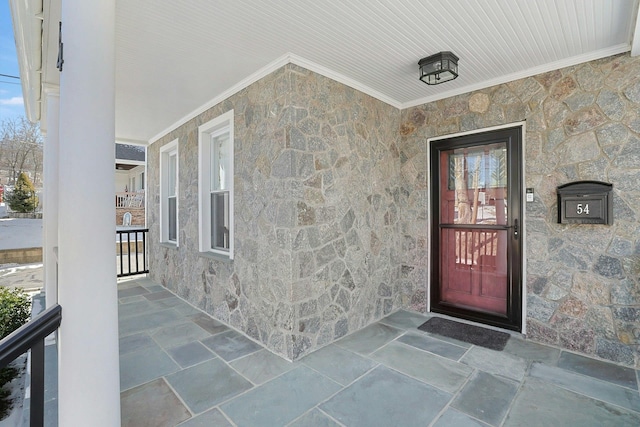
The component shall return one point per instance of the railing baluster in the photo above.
(36, 416)
(31, 335)
(129, 251)
(144, 251)
(136, 252)
(138, 268)
(121, 254)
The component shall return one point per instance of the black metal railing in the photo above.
(131, 249)
(31, 336)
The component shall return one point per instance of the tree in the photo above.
(36, 164)
(20, 148)
(23, 197)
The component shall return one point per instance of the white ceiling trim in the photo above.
(567, 62)
(265, 71)
(288, 58)
(302, 62)
(326, 72)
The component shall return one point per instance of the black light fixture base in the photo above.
(439, 68)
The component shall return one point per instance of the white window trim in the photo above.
(205, 133)
(165, 152)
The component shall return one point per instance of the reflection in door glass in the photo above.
(478, 178)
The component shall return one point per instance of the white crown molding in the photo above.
(263, 72)
(326, 72)
(567, 62)
(288, 58)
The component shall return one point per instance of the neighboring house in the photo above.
(130, 184)
(299, 204)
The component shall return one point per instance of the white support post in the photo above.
(89, 384)
(50, 197)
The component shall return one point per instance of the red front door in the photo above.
(476, 246)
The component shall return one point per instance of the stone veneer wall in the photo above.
(582, 123)
(317, 214)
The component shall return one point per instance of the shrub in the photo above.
(14, 312)
(23, 197)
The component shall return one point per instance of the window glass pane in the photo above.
(173, 216)
(220, 162)
(220, 220)
(173, 166)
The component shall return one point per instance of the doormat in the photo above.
(472, 334)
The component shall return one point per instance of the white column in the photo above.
(50, 196)
(89, 385)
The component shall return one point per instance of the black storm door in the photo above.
(476, 244)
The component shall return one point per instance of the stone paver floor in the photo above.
(178, 366)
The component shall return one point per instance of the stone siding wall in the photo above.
(316, 214)
(346, 194)
(582, 123)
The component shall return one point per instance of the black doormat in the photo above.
(472, 334)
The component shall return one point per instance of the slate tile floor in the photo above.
(181, 367)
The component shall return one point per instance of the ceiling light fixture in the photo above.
(438, 68)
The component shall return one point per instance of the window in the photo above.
(169, 193)
(215, 185)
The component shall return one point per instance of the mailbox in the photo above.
(585, 202)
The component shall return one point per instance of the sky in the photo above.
(11, 102)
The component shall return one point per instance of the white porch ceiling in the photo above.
(175, 58)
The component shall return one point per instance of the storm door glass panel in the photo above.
(474, 269)
(220, 185)
(473, 228)
(477, 178)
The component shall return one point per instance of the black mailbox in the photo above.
(585, 202)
